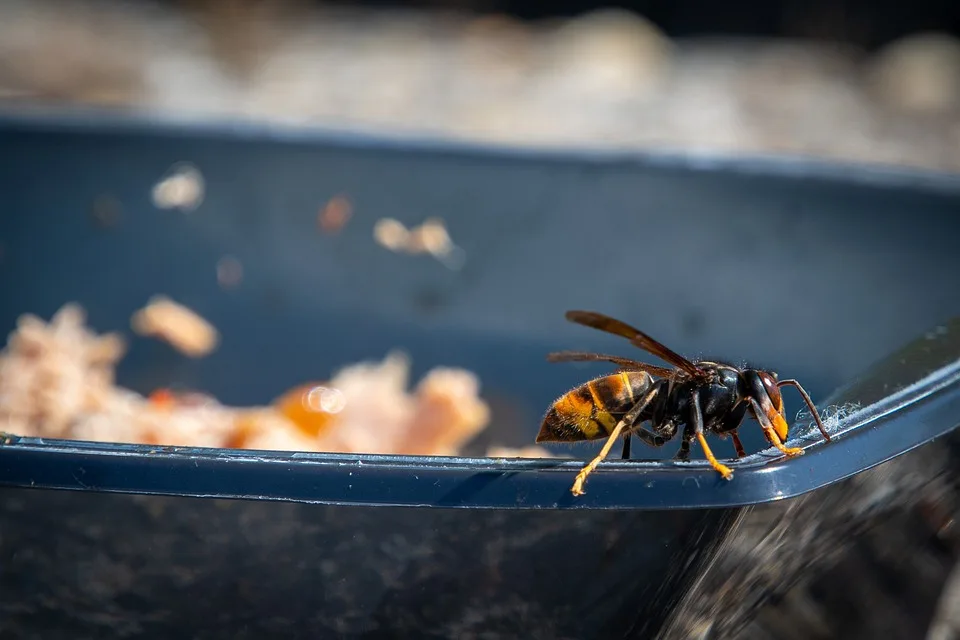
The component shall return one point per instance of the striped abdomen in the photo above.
(592, 410)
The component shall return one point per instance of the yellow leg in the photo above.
(775, 440)
(628, 420)
(768, 423)
(722, 469)
(587, 470)
(738, 446)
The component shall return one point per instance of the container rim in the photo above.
(879, 432)
(101, 120)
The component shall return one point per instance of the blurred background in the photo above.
(279, 278)
(849, 80)
(843, 81)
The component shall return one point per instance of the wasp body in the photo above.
(694, 398)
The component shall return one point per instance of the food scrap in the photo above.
(182, 188)
(391, 234)
(311, 407)
(57, 380)
(335, 214)
(51, 373)
(430, 237)
(442, 413)
(179, 326)
(532, 451)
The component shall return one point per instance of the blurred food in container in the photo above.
(57, 381)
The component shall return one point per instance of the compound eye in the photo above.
(770, 386)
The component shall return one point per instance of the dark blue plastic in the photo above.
(813, 269)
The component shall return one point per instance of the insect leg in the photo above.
(810, 405)
(627, 421)
(688, 435)
(739, 446)
(730, 425)
(626, 447)
(649, 438)
(696, 417)
(771, 433)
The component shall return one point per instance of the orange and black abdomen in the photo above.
(592, 410)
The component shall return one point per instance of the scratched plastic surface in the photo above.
(835, 267)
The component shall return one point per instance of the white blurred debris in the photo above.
(326, 399)
(182, 188)
(832, 416)
(177, 325)
(391, 234)
(429, 237)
